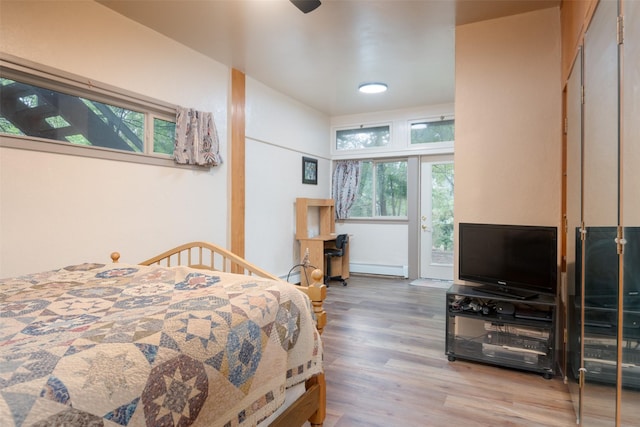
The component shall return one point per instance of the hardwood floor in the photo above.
(385, 365)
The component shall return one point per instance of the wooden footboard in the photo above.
(311, 405)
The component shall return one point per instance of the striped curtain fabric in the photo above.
(196, 138)
(346, 179)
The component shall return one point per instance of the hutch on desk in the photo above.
(325, 238)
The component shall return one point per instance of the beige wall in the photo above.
(508, 120)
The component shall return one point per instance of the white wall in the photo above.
(377, 248)
(57, 210)
(508, 127)
(280, 131)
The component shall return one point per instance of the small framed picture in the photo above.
(309, 171)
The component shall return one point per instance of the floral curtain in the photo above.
(346, 179)
(196, 138)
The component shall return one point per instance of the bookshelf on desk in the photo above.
(325, 237)
(501, 330)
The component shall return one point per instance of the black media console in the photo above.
(501, 329)
(601, 346)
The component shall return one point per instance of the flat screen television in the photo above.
(601, 267)
(520, 261)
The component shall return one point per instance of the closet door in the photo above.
(573, 113)
(600, 216)
(630, 202)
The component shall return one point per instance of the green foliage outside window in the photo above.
(360, 138)
(163, 136)
(427, 132)
(382, 191)
(442, 206)
(128, 125)
(391, 189)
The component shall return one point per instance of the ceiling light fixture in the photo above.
(373, 87)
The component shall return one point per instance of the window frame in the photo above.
(439, 147)
(14, 68)
(360, 151)
(396, 219)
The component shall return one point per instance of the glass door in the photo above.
(630, 201)
(573, 221)
(436, 218)
(600, 216)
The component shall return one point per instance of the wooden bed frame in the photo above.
(311, 406)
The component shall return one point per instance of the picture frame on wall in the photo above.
(309, 170)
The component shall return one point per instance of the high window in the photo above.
(363, 137)
(426, 132)
(59, 111)
(382, 192)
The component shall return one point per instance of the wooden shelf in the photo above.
(315, 245)
(327, 216)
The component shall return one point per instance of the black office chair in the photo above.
(342, 240)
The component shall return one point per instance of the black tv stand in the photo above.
(476, 330)
(519, 294)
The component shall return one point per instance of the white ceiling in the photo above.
(321, 57)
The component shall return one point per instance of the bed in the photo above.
(194, 336)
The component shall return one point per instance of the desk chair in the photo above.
(342, 240)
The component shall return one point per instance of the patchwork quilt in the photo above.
(129, 345)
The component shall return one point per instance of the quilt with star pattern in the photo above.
(130, 345)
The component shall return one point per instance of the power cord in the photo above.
(304, 264)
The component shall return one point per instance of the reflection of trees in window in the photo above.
(354, 139)
(426, 132)
(382, 191)
(442, 206)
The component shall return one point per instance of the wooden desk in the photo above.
(316, 246)
(326, 238)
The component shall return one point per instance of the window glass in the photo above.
(355, 139)
(391, 189)
(442, 181)
(382, 192)
(50, 114)
(164, 133)
(363, 205)
(425, 132)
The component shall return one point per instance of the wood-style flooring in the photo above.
(385, 364)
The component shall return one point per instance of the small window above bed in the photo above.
(48, 110)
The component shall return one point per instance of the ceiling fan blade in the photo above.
(306, 6)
